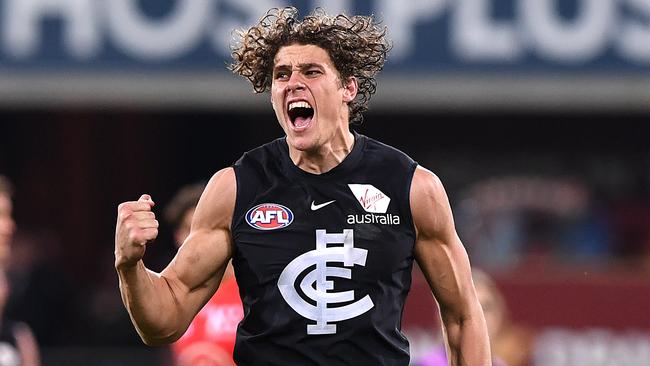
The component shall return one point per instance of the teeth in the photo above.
(300, 104)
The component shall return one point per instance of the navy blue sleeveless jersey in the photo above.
(323, 261)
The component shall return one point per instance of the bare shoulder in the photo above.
(222, 180)
(429, 203)
(217, 203)
(426, 184)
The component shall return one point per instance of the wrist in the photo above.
(122, 265)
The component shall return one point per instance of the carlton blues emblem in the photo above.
(318, 286)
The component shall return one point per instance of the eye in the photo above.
(313, 72)
(281, 75)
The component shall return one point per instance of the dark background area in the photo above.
(72, 168)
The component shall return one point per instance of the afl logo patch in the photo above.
(269, 216)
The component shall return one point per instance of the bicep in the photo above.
(195, 272)
(438, 249)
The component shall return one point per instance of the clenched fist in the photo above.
(136, 226)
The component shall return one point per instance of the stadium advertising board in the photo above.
(431, 38)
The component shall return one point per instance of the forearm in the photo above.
(467, 340)
(151, 304)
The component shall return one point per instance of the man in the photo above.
(18, 345)
(322, 225)
(7, 223)
(210, 338)
(510, 344)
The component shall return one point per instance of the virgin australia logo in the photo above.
(370, 198)
(321, 313)
(375, 203)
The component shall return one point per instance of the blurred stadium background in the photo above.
(534, 113)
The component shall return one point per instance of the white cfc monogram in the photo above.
(321, 257)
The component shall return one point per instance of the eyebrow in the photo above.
(303, 66)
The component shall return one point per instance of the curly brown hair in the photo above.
(357, 46)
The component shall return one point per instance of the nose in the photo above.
(295, 82)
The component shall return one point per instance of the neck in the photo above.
(326, 157)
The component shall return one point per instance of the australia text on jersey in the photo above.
(383, 219)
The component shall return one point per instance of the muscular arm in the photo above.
(444, 262)
(161, 306)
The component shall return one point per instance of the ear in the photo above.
(350, 89)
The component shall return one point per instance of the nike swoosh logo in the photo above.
(315, 207)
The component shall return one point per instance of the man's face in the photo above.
(309, 100)
(7, 224)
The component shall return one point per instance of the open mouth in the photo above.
(300, 113)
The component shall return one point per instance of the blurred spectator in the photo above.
(514, 221)
(17, 343)
(42, 294)
(35, 277)
(7, 223)
(210, 338)
(511, 343)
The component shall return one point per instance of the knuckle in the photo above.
(133, 237)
